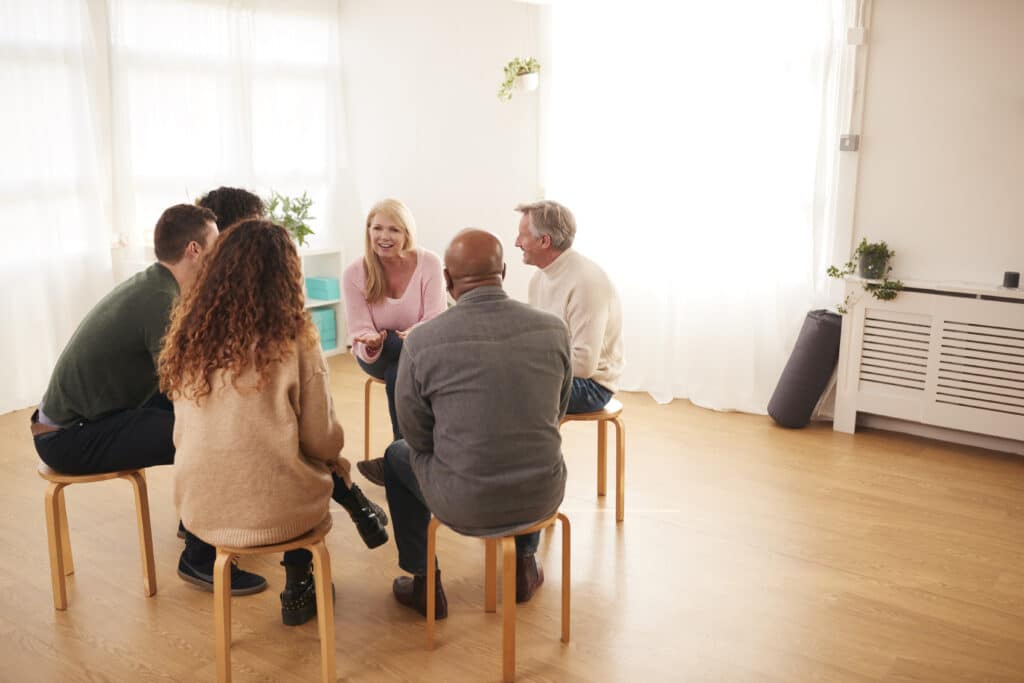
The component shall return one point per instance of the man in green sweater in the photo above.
(102, 411)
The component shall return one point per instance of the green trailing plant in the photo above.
(514, 69)
(871, 259)
(292, 213)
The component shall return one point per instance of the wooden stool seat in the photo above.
(62, 562)
(612, 412)
(312, 541)
(370, 381)
(508, 584)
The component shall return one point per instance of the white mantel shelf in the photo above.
(978, 289)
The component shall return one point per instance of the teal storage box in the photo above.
(323, 288)
(323, 318)
(328, 344)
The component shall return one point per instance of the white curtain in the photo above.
(695, 143)
(117, 109)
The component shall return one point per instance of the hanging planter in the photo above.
(521, 74)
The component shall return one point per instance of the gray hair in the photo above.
(551, 219)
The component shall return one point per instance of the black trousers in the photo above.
(125, 440)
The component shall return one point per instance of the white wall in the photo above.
(942, 161)
(425, 125)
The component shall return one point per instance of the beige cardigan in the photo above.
(253, 468)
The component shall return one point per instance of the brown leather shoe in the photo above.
(373, 470)
(529, 577)
(412, 592)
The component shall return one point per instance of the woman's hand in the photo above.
(402, 334)
(373, 341)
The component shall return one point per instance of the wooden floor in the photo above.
(748, 553)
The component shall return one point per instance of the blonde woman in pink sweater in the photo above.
(393, 287)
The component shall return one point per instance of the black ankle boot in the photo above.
(298, 600)
(370, 519)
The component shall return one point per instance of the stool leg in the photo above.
(65, 534)
(324, 610)
(566, 584)
(222, 614)
(138, 481)
(431, 578)
(366, 419)
(491, 575)
(602, 457)
(53, 535)
(620, 470)
(508, 608)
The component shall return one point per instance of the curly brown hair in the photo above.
(245, 310)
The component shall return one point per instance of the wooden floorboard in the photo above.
(748, 553)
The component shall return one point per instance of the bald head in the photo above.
(473, 259)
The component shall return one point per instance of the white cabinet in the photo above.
(944, 354)
(327, 263)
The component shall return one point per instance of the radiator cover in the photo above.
(949, 355)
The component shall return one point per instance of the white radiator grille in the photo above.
(895, 351)
(982, 367)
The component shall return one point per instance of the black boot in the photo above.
(298, 600)
(369, 517)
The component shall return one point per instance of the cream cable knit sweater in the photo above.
(576, 289)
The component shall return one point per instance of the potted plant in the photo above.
(871, 260)
(524, 74)
(291, 213)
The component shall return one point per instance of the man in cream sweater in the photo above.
(577, 290)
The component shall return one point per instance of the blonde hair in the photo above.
(376, 285)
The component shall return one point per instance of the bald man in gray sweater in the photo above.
(481, 390)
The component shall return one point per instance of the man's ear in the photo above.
(448, 284)
(545, 241)
(503, 266)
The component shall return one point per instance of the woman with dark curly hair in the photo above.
(258, 445)
(232, 205)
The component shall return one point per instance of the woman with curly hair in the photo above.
(232, 205)
(258, 445)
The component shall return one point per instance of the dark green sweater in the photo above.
(110, 363)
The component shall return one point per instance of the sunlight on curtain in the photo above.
(117, 109)
(55, 255)
(689, 140)
(222, 93)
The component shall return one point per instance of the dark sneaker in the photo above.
(373, 470)
(411, 591)
(201, 575)
(369, 517)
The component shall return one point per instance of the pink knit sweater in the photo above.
(422, 300)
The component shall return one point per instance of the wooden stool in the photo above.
(370, 381)
(508, 585)
(61, 561)
(314, 542)
(610, 413)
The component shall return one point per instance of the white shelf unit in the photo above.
(947, 354)
(327, 263)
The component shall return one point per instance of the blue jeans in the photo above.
(410, 515)
(386, 368)
(587, 396)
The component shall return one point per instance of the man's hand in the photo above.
(373, 341)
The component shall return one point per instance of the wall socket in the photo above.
(849, 143)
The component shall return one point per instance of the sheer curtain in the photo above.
(118, 109)
(694, 142)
